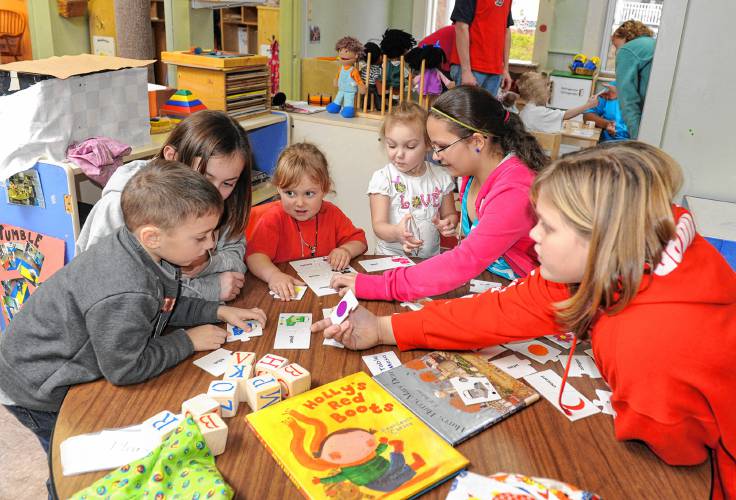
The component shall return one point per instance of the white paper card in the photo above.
(581, 365)
(474, 390)
(514, 366)
(343, 308)
(589, 352)
(215, 363)
(299, 289)
(563, 339)
(491, 351)
(331, 342)
(105, 450)
(604, 402)
(416, 306)
(548, 383)
(317, 274)
(386, 263)
(237, 333)
(293, 331)
(480, 286)
(538, 351)
(378, 363)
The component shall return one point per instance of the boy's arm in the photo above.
(190, 311)
(120, 330)
(599, 121)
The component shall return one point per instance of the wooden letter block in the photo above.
(214, 432)
(293, 379)
(269, 364)
(241, 357)
(262, 392)
(199, 405)
(163, 423)
(239, 374)
(225, 393)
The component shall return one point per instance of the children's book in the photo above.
(428, 386)
(352, 439)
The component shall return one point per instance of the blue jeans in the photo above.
(488, 81)
(41, 423)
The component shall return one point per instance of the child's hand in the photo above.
(360, 330)
(446, 227)
(611, 128)
(230, 284)
(406, 237)
(283, 285)
(339, 258)
(206, 337)
(592, 102)
(239, 317)
(343, 282)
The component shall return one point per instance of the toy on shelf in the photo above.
(348, 80)
(370, 72)
(394, 45)
(319, 100)
(182, 104)
(426, 61)
(582, 65)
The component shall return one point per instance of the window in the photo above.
(648, 12)
(525, 13)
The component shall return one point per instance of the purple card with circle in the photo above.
(343, 308)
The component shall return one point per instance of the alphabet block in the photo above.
(262, 392)
(163, 423)
(269, 364)
(240, 357)
(225, 393)
(238, 374)
(214, 432)
(293, 379)
(200, 405)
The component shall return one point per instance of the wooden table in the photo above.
(538, 441)
(581, 137)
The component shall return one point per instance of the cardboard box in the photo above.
(569, 90)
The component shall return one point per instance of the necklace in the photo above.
(312, 248)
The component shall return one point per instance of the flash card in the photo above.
(604, 402)
(236, 333)
(331, 342)
(299, 289)
(538, 351)
(379, 363)
(480, 286)
(385, 263)
(215, 363)
(474, 390)
(514, 366)
(293, 332)
(343, 308)
(581, 365)
(547, 383)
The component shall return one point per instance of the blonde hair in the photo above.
(534, 88)
(406, 113)
(632, 29)
(298, 161)
(618, 197)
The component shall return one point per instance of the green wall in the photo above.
(54, 35)
(567, 32)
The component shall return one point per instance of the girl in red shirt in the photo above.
(619, 265)
(302, 225)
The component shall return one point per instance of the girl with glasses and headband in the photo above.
(475, 138)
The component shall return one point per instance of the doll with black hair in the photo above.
(433, 57)
(394, 44)
(374, 50)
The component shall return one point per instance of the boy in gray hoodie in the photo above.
(103, 315)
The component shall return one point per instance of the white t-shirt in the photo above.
(421, 196)
(542, 119)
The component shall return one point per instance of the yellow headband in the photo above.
(465, 125)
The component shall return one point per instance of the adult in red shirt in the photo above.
(482, 44)
(619, 265)
(446, 37)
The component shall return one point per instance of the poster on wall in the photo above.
(27, 259)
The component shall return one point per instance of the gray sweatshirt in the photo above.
(107, 216)
(100, 316)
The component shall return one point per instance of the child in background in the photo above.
(104, 314)
(410, 192)
(215, 145)
(617, 258)
(302, 225)
(607, 115)
(537, 117)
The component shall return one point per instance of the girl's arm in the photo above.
(446, 224)
(380, 207)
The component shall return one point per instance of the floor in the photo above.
(23, 469)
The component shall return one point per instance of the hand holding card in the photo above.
(343, 308)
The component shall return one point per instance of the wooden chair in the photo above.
(12, 27)
(550, 143)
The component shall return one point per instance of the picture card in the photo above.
(379, 363)
(563, 340)
(416, 305)
(548, 383)
(299, 289)
(581, 365)
(604, 402)
(491, 351)
(474, 390)
(480, 286)
(538, 351)
(514, 366)
(386, 263)
(293, 331)
(214, 363)
(331, 342)
(317, 274)
(589, 352)
(343, 308)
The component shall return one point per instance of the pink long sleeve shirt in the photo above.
(505, 217)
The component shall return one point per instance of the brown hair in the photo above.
(618, 197)
(477, 108)
(298, 161)
(154, 196)
(214, 133)
(351, 44)
(632, 29)
(534, 88)
(407, 113)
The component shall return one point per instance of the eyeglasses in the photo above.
(437, 150)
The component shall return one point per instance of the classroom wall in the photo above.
(54, 35)
(20, 7)
(401, 14)
(567, 32)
